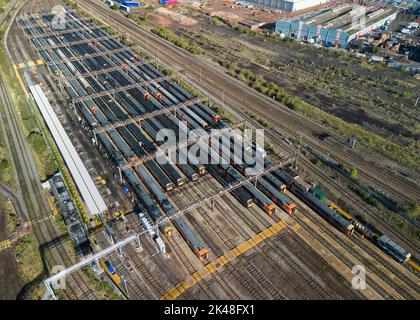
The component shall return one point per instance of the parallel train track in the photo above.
(216, 82)
(39, 213)
(398, 281)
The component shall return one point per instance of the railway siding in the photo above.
(212, 267)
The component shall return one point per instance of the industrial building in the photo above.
(290, 5)
(336, 26)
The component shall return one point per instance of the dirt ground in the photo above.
(377, 98)
(231, 11)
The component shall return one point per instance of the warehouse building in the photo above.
(336, 26)
(289, 5)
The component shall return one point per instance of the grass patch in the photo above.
(60, 223)
(190, 46)
(406, 155)
(6, 172)
(29, 261)
(102, 288)
(42, 155)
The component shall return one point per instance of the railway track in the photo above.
(254, 272)
(260, 218)
(28, 183)
(161, 261)
(344, 257)
(407, 243)
(379, 266)
(38, 211)
(187, 267)
(410, 244)
(237, 95)
(204, 285)
(124, 270)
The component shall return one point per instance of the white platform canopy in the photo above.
(93, 200)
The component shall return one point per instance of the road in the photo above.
(213, 80)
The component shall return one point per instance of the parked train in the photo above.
(279, 198)
(198, 246)
(147, 202)
(314, 203)
(342, 220)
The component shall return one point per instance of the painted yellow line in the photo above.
(20, 80)
(30, 64)
(5, 244)
(413, 264)
(197, 276)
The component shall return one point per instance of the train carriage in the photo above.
(279, 198)
(239, 193)
(160, 177)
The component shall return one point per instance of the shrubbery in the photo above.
(164, 32)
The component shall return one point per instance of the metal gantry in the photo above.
(48, 14)
(177, 213)
(190, 142)
(147, 115)
(59, 32)
(51, 281)
(87, 56)
(108, 70)
(120, 89)
(79, 42)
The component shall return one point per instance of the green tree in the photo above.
(354, 172)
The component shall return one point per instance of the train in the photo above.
(341, 219)
(392, 248)
(270, 195)
(279, 198)
(196, 244)
(259, 198)
(119, 144)
(148, 202)
(333, 217)
(239, 193)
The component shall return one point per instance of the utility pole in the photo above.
(298, 153)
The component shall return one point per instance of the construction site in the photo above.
(198, 227)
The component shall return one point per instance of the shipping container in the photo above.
(131, 3)
(167, 2)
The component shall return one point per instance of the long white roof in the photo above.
(93, 200)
